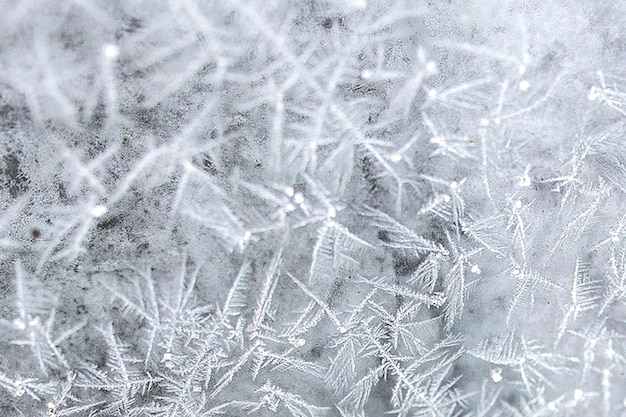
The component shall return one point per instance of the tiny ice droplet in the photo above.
(366, 74)
(524, 181)
(360, 4)
(475, 269)
(297, 342)
(610, 353)
(431, 66)
(432, 93)
(298, 198)
(524, 85)
(578, 394)
(331, 212)
(496, 375)
(19, 388)
(438, 140)
(98, 211)
(396, 157)
(111, 51)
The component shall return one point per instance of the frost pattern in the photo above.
(312, 208)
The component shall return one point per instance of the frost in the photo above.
(320, 208)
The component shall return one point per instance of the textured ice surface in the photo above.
(312, 208)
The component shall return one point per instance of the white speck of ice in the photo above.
(98, 211)
(524, 85)
(111, 51)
